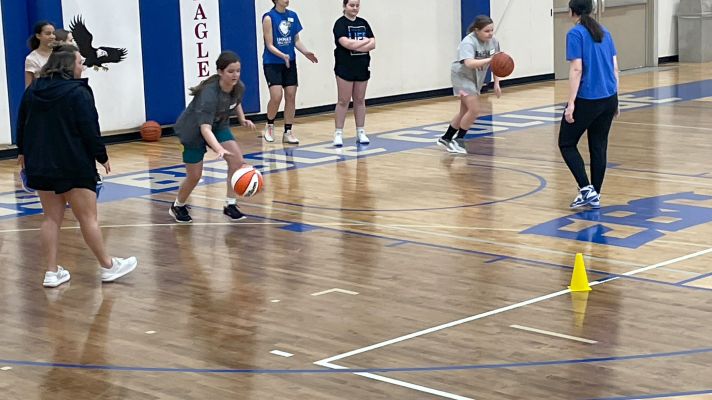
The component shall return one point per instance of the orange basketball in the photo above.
(247, 181)
(502, 64)
(151, 131)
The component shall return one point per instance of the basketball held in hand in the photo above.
(502, 64)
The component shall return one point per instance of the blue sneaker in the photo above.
(586, 196)
(23, 180)
(595, 203)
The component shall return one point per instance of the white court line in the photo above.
(678, 243)
(398, 382)
(325, 224)
(159, 225)
(664, 126)
(549, 333)
(281, 353)
(327, 362)
(335, 290)
(446, 325)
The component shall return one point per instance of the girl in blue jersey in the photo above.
(593, 100)
(281, 28)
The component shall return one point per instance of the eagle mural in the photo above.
(94, 57)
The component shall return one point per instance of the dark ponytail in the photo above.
(224, 60)
(583, 9)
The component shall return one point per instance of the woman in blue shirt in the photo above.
(593, 100)
(280, 28)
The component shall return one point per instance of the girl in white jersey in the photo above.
(468, 73)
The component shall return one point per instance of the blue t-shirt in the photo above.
(285, 26)
(598, 80)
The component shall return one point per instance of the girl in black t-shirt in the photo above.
(354, 40)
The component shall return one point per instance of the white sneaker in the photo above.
(54, 279)
(338, 138)
(361, 137)
(119, 268)
(289, 137)
(268, 133)
(456, 147)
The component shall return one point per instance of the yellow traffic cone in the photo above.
(579, 280)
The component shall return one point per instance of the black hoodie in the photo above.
(58, 129)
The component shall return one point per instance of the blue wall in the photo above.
(239, 33)
(470, 9)
(19, 18)
(163, 80)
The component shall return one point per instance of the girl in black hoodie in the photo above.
(59, 141)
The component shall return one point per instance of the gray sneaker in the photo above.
(456, 146)
(447, 144)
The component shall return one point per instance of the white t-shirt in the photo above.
(34, 62)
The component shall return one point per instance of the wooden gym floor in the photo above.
(392, 271)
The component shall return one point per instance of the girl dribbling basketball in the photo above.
(206, 123)
(468, 73)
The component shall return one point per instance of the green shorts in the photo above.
(194, 155)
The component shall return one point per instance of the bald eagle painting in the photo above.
(94, 57)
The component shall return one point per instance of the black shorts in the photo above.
(280, 75)
(352, 75)
(60, 185)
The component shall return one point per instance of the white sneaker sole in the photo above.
(229, 218)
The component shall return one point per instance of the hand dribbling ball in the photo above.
(247, 181)
(502, 64)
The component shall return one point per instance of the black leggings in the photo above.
(595, 116)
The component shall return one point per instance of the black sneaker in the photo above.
(180, 213)
(233, 212)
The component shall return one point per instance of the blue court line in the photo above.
(695, 278)
(529, 364)
(494, 260)
(656, 396)
(542, 186)
(496, 257)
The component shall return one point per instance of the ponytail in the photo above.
(593, 27)
(584, 8)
